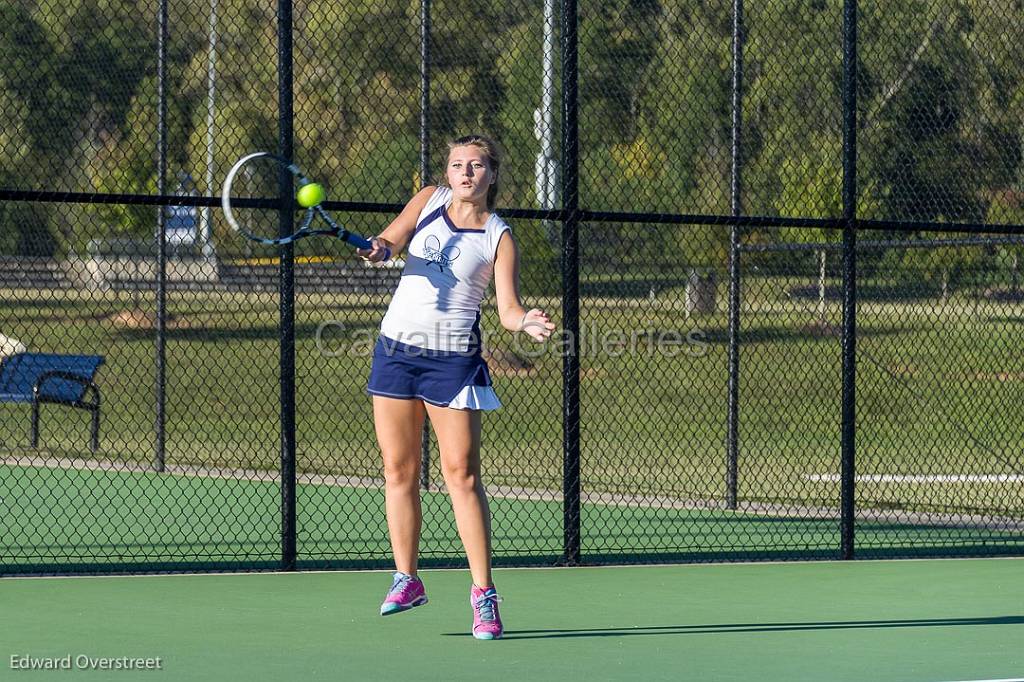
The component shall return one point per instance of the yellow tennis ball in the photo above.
(310, 195)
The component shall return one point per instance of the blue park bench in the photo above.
(39, 378)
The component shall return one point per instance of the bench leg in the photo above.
(94, 441)
(34, 433)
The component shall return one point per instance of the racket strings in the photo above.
(254, 190)
(268, 180)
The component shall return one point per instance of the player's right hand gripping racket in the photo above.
(254, 184)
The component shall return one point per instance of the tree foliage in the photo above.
(940, 103)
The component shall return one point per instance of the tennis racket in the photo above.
(256, 182)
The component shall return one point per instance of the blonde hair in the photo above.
(492, 151)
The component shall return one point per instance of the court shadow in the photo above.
(725, 628)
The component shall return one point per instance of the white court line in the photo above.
(922, 478)
(1003, 679)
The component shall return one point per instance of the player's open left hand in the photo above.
(537, 324)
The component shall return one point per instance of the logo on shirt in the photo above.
(435, 255)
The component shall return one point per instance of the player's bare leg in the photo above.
(399, 426)
(458, 438)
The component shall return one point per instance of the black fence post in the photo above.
(849, 336)
(732, 431)
(570, 287)
(424, 181)
(286, 281)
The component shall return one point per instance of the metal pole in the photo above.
(161, 239)
(424, 181)
(732, 455)
(570, 287)
(211, 82)
(546, 167)
(849, 349)
(286, 287)
(424, 92)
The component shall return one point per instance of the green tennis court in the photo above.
(905, 621)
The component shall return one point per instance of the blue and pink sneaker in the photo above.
(486, 620)
(406, 592)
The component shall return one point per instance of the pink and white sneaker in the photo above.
(406, 592)
(486, 620)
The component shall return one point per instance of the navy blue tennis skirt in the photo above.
(443, 378)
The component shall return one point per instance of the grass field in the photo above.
(939, 395)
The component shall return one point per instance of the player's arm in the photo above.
(395, 237)
(513, 316)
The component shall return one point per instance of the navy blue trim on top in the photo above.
(454, 228)
(442, 211)
(431, 217)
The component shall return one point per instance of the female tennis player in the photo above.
(427, 362)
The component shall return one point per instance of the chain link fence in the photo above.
(757, 228)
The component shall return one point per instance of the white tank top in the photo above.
(447, 270)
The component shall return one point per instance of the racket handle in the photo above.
(361, 243)
(357, 241)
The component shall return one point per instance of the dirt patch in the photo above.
(820, 328)
(505, 363)
(1000, 376)
(901, 370)
(502, 363)
(144, 319)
